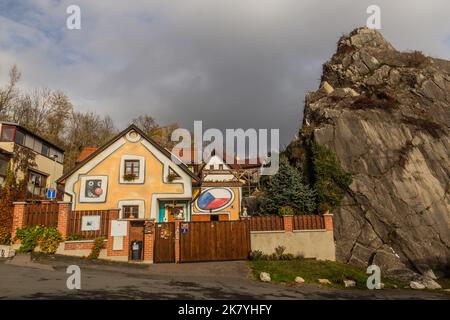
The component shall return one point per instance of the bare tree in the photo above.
(8, 94)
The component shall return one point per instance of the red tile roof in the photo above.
(86, 152)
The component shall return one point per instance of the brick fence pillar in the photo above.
(177, 239)
(64, 209)
(149, 240)
(328, 220)
(18, 217)
(288, 223)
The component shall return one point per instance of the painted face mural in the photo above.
(215, 199)
(93, 189)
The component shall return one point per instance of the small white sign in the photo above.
(119, 228)
(90, 223)
(118, 243)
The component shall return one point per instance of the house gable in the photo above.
(106, 165)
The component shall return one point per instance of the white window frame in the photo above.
(138, 180)
(139, 203)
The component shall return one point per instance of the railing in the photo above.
(42, 214)
(75, 223)
(308, 222)
(266, 223)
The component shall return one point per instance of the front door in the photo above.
(169, 210)
(164, 242)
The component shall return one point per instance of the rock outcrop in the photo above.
(386, 114)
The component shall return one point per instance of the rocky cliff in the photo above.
(386, 114)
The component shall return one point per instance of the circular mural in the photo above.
(214, 199)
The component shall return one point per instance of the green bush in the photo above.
(279, 251)
(330, 181)
(49, 240)
(286, 211)
(30, 237)
(73, 237)
(96, 248)
(256, 255)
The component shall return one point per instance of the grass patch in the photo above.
(311, 270)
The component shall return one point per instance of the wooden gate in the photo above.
(214, 241)
(164, 242)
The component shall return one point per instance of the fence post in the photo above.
(149, 240)
(177, 239)
(18, 217)
(288, 222)
(328, 221)
(64, 209)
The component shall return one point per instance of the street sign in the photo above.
(51, 193)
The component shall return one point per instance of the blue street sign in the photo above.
(51, 193)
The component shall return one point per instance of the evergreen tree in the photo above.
(286, 188)
(331, 181)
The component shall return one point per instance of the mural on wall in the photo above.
(214, 199)
(93, 188)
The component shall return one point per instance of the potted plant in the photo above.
(129, 176)
(171, 177)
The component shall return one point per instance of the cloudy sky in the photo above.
(230, 63)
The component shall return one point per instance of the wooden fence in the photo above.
(214, 241)
(309, 222)
(276, 223)
(266, 223)
(75, 219)
(42, 214)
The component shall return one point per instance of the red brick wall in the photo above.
(288, 223)
(64, 209)
(78, 245)
(18, 217)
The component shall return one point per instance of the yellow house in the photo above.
(144, 180)
(49, 158)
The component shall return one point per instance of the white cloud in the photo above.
(240, 63)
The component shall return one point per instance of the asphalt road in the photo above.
(46, 278)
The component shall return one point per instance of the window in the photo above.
(8, 133)
(36, 183)
(29, 141)
(130, 212)
(3, 167)
(20, 137)
(37, 146)
(211, 167)
(45, 150)
(220, 166)
(132, 167)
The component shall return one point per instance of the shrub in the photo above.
(415, 59)
(30, 237)
(331, 181)
(49, 240)
(96, 248)
(286, 211)
(324, 207)
(73, 237)
(279, 251)
(256, 255)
